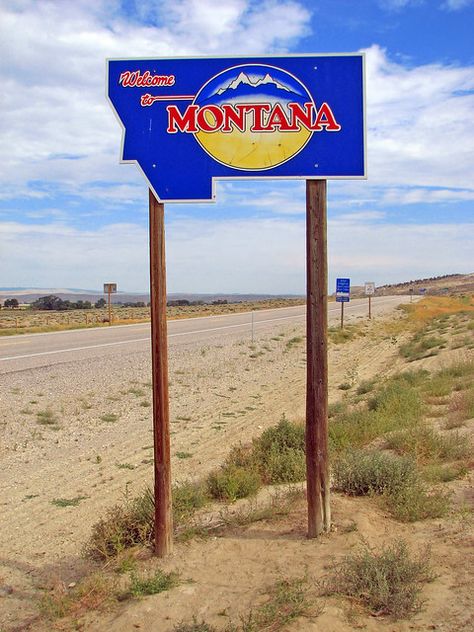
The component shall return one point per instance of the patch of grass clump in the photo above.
(336, 408)
(109, 417)
(46, 418)
(294, 341)
(195, 626)
(421, 346)
(439, 386)
(386, 582)
(152, 584)
(184, 455)
(277, 456)
(340, 336)
(91, 593)
(345, 386)
(398, 400)
(366, 387)
(461, 408)
(68, 502)
(441, 473)
(123, 527)
(287, 601)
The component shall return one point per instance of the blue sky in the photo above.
(72, 216)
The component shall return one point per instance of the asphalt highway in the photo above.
(18, 353)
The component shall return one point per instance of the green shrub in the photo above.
(362, 472)
(283, 466)
(387, 582)
(426, 445)
(394, 478)
(284, 435)
(279, 453)
(412, 503)
(398, 401)
(396, 405)
(187, 497)
(229, 483)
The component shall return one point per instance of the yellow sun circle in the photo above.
(252, 150)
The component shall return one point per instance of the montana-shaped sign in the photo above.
(190, 122)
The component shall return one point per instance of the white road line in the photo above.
(184, 333)
(124, 342)
(146, 325)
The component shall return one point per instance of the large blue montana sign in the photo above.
(190, 122)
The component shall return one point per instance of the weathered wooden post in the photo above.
(317, 465)
(159, 352)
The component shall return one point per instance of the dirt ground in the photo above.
(81, 433)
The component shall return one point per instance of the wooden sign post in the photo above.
(343, 293)
(109, 289)
(317, 466)
(159, 358)
(369, 289)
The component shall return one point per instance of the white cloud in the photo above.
(398, 4)
(254, 255)
(418, 195)
(420, 123)
(54, 254)
(53, 81)
(455, 5)
(360, 216)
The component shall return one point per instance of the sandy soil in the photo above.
(97, 445)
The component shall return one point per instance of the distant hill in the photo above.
(28, 295)
(434, 286)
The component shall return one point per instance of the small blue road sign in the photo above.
(189, 122)
(343, 290)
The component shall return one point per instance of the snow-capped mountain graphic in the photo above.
(245, 79)
(245, 88)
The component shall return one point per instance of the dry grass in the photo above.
(93, 592)
(31, 321)
(386, 582)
